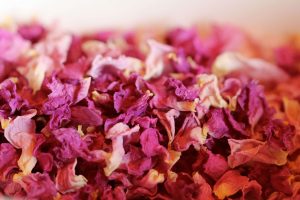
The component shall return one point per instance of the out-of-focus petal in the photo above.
(33, 32)
(254, 68)
(155, 61)
(126, 64)
(56, 46)
(12, 46)
(282, 180)
(36, 71)
(292, 111)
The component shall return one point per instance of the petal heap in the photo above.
(181, 114)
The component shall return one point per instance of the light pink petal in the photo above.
(155, 61)
(21, 134)
(255, 68)
(126, 64)
(12, 46)
(56, 46)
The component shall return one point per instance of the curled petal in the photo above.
(168, 121)
(152, 178)
(231, 91)
(116, 134)
(120, 129)
(155, 60)
(209, 91)
(21, 134)
(190, 133)
(82, 90)
(115, 158)
(66, 179)
(163, 99)
(172, 158)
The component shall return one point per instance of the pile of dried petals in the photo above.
(134, 115)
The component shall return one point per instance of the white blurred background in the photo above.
(267, 16)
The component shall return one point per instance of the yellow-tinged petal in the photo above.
(116, 134)
(232, 62)
(20, 133)
(209, 91)
(5, 123)
(79, 130)
(66, 179)
(292, 110)
(199, 135)
(174, 156)
(168, 121)
(247, 150)
(115, 158)
(230, 183)
(152, 178)
(172, 176)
